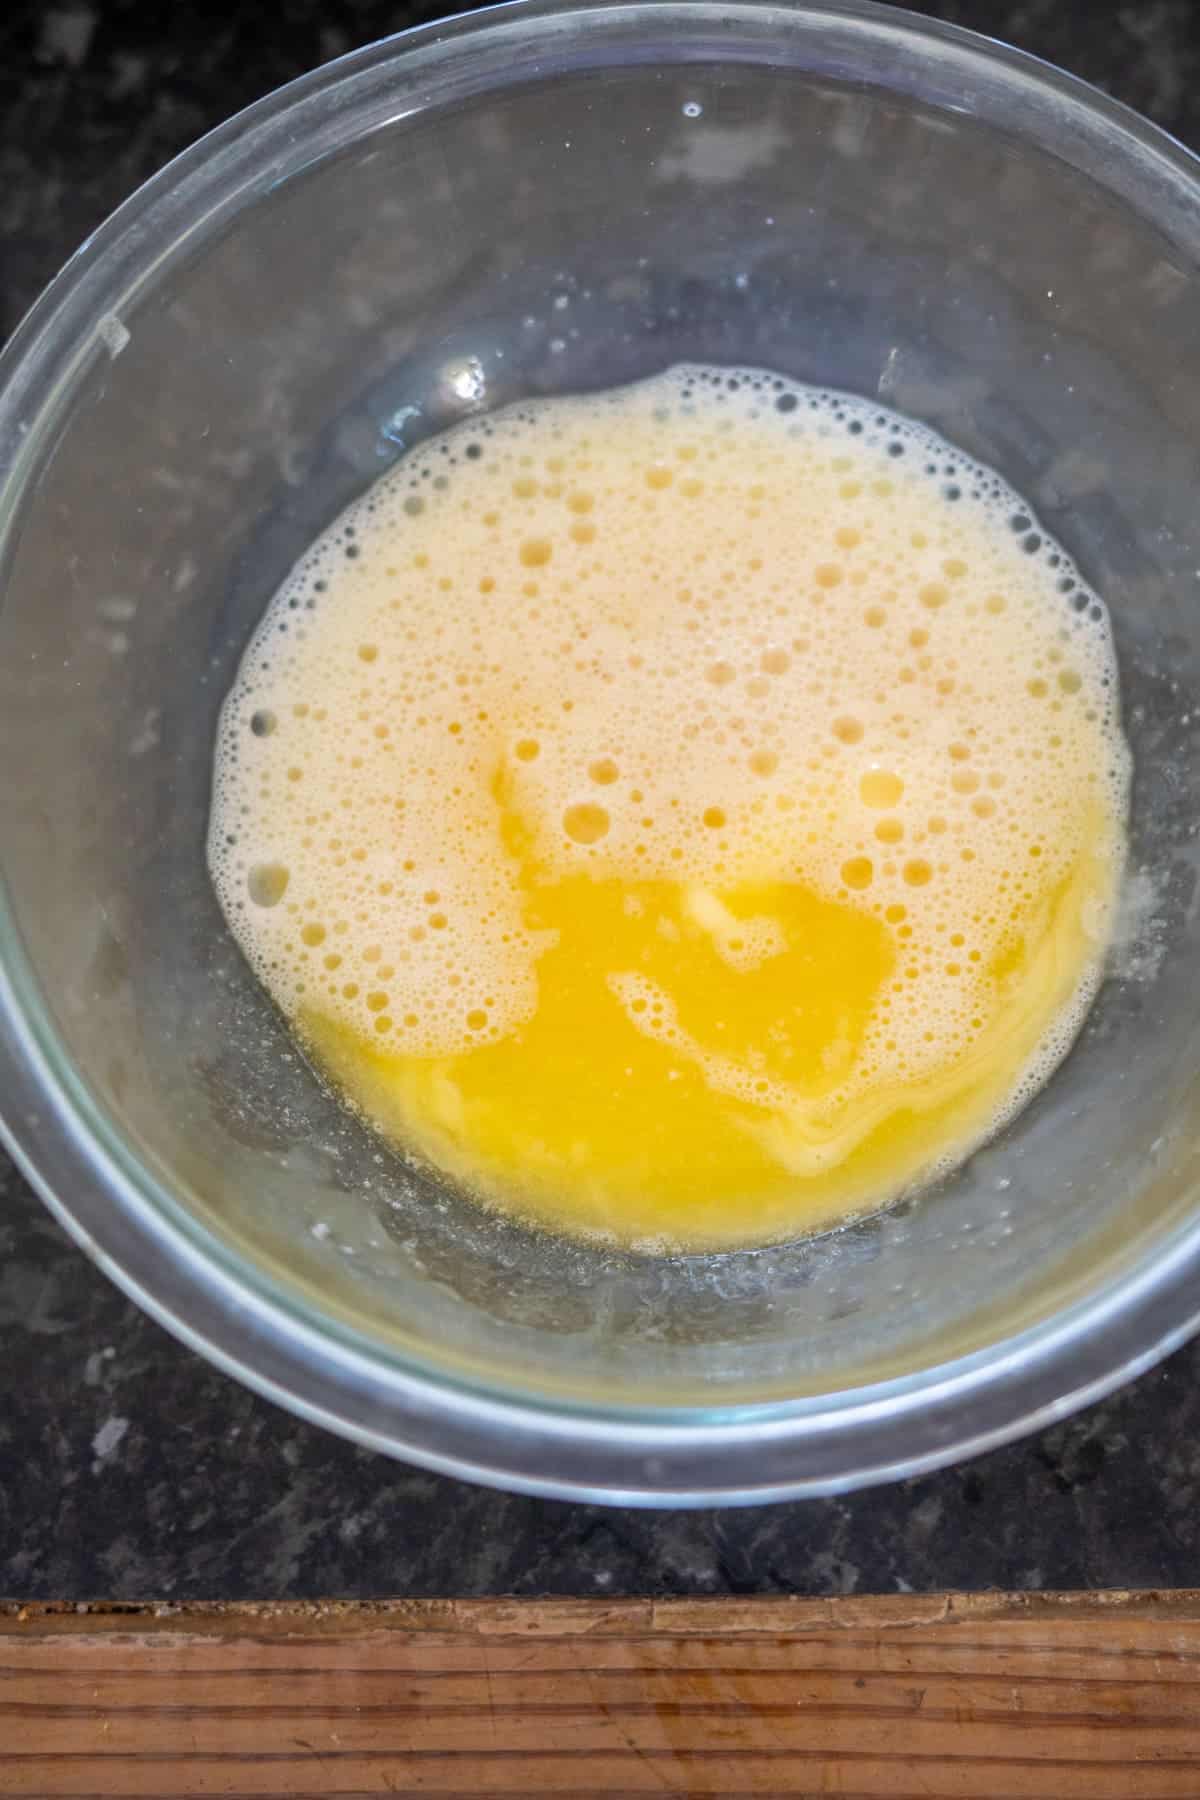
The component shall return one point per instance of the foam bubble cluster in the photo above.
(714, 629)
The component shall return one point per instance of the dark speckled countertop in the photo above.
(128, 1468)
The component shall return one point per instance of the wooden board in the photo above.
(996, 1697)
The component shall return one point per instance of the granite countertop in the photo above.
(130, 1469)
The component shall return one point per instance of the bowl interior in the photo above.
(839, 196)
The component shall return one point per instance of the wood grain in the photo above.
(995, 1697)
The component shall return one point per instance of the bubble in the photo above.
(847, 730)
(858, 872)
(714, 817)
(918, 872)
(535, 553)
(527, 749)
(267, 883)
(879, 788)
(603, 771)
(263, 722)
(585, 822)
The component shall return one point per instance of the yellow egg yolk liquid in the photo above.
(688, 815)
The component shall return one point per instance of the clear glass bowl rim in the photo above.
(140, 1234)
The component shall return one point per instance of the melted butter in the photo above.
(663, 1093)
(676, 814)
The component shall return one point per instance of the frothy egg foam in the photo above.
(688, 814)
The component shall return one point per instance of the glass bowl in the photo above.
(528, 200)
